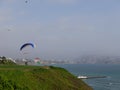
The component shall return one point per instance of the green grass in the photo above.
(16, 77)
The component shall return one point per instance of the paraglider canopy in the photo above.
(27, 44)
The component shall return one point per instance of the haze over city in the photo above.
(60, 28)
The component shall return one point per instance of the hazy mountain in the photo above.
(92, 59)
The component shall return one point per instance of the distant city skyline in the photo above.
(60, 28)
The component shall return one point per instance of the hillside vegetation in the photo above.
(16, 77)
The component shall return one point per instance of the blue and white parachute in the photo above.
(26, 45)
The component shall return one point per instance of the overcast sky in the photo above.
(60, 28)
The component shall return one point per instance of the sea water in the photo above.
(112, 73)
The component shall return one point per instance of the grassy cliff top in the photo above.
(15, 77)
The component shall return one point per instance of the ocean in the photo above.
(112, 73)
